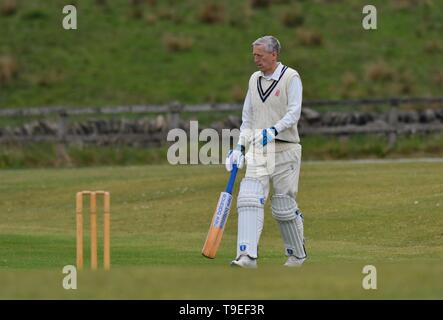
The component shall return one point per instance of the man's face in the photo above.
(264, 60)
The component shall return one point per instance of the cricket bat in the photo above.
(219, 219)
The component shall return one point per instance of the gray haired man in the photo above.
(270, 115)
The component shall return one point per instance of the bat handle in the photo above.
(232, 179)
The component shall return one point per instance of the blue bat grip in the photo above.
(232, 179)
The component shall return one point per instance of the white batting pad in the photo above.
(250, 205)
(284, 210)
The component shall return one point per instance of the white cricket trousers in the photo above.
(280, 165)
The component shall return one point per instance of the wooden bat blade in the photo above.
(217, 226)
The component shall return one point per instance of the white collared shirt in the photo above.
(275, 75)
(294, 103)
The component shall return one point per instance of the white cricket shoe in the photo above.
(294, 262)
(244, 262)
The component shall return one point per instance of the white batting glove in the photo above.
(235, 156)
(264, 137)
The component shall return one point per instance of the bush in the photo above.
(433, 46)
(437, 77)
(48, 79)
(136, 13)
(8, 7)
(166, 14)
(35, 14)
(151, 19)
(103, 3)
(8, 69)
(405, 4)
(404, 82)
(260, 3)
(177, 43)
(349, 86)
(136, 3)
(309, 38)
(292, 18)
(211, 13)
(379, 71)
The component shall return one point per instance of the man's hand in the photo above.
(264, 137)
(236, 156)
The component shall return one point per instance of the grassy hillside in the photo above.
(132, 52)
(384, 214)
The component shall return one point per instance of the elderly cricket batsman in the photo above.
(270, 144)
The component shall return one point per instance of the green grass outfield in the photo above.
(387, 214)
